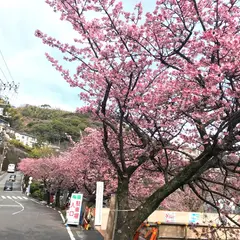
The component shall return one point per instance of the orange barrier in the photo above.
(151, 234)
(89, 214)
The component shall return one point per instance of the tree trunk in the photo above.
(71, 190)
(48, 197)
(128, 221)
(58, 198)
(123, 225)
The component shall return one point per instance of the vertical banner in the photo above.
(99, 204)
(73, 213)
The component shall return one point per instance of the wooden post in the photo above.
(111, 218)
(185, 231)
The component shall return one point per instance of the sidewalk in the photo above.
(86, 235)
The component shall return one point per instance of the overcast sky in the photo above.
(24, 53)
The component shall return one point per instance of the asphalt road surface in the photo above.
(16, 184)
(23, 219)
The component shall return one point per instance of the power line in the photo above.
(6, 65)
(3, 75)
(7, 85)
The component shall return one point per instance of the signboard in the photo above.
(170, 217)
(99, 203)
(73, 213)
(194, 218)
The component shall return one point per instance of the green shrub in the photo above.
(18, 144)
(36, 190)
(38, 194)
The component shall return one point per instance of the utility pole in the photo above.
(4, 145)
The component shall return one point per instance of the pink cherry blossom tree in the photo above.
(161, 83)
(86, 163)
(39, 169)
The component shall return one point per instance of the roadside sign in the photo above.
(99, 204)
(170, 217)
(73, 213)
(194, 218)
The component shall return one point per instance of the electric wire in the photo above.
(6, 65)
(7, 87)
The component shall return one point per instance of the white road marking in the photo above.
(67, 227)
(10, 206)
(14, 197)
(70, 233)
(20, 206)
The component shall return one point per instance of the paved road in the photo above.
(16, 184)
(86, 235)
(23, 219)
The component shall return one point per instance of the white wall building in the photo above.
(3, 125)
(26, 139)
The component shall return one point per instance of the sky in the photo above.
(24, 54)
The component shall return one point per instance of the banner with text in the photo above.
(194, 218)
(170, 217)
(73, 213)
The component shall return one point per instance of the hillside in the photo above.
(13, 155)
(48, 124)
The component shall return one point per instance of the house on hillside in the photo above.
(3, 125)
(52, 146)
(1, 111)
(26, 139)
(10, 131)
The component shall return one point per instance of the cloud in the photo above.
(24, 53)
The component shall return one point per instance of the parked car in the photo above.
(12, 178)
(8, 186)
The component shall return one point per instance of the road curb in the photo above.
(41, 203)
(63, 218)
